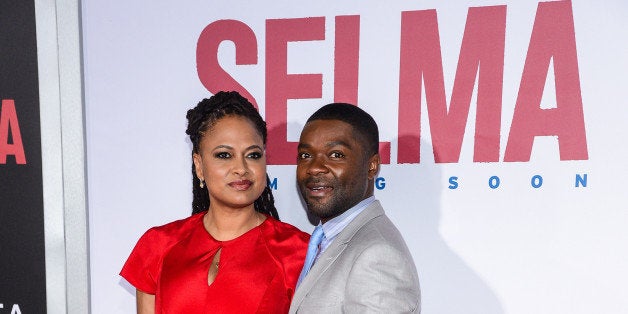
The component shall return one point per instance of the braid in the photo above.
(200, 201)
(266, 202)
(201, 119)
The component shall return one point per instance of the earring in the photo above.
(202, 184)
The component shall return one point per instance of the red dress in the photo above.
(258, 270)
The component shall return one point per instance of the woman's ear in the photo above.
(198, 166)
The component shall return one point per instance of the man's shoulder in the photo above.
(378, 230)
(372, 230)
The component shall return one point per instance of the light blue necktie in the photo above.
(312, 251)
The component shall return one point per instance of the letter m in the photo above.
(481, 55)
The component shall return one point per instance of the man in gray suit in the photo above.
(357, 261)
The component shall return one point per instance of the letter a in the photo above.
(16, 309)
(8, 121)
(553, 36)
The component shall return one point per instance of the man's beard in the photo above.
(340, 201)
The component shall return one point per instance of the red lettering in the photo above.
(552, 36)
(347, 59)
(346, 68)
(211, 74)
(8, 122)
(421, 71)
(419, 30)
(482, 51)
(281, 86)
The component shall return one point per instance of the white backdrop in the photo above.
(559, 247)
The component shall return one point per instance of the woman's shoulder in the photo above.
(284, 232)
(288, 245)
(143, 265)
(175, 230)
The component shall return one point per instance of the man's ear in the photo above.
(373, 163)
(198, 166)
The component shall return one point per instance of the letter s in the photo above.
(211, 74)
(453, 183)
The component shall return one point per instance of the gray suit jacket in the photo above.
(366, 269)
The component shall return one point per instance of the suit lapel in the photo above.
(327, 259)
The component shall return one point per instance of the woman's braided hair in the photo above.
(201, 119)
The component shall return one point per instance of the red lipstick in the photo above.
(241, 185)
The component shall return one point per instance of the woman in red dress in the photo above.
(232, 255)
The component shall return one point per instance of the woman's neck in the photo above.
(225, 225)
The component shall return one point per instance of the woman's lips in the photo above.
(241, 185)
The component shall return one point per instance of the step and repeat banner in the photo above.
(22, 260)
(502, 132)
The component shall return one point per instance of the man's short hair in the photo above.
(363, 124)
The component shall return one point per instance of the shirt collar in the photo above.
(335, 225)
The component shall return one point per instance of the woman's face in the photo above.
(232, 162)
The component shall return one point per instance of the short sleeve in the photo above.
(143, 266)
(288, 245)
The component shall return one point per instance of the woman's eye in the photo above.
(222, 155)
(255, 155)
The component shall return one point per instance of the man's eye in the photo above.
(222, 155)
(336, 155)
(255, 155)
(303, 155)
